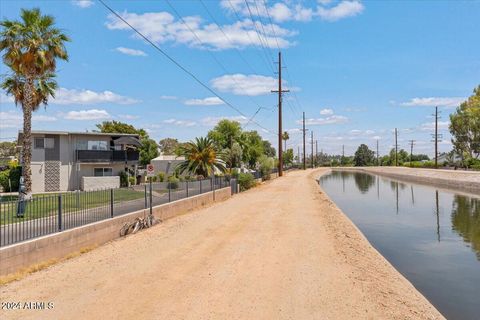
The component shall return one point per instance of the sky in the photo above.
(358, 69)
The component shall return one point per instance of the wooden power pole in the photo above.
(304, 132)
(280, 92)
(411, 152)
(436, 136)
(377, 154)
(311, 142)
(396, 148)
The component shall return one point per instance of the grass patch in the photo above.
(42, 265)
(44, 205)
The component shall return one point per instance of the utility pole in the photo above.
(304, 132)
(436, 136)
(342, 161)
(298, 154)
(280, 92)
(396, 148)
(377, 154)
(312, 145)
(316, 152)
(411, 152)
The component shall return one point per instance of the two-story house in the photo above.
(67, 161)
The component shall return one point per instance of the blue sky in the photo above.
(357, 68)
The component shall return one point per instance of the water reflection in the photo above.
(466, 220)
(431, 236)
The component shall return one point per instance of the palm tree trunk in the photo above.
(27, 136)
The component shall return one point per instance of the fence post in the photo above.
(151, 205)
(213, 187)
(187, 188)
(169, 192)
(111, 203)
(146, 204)
(200, 185)
(60, 212)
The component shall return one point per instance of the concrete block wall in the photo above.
(58, 245)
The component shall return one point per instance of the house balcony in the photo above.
(107, 156)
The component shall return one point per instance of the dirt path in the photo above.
(280, 251)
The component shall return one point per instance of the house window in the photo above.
(97, 145)
(44, 143)
(102, 172)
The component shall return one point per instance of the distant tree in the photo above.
(149, 148)
(465, 126)
(268, 150)
(363, 156)
(201, 158)
(31, 48)
(169, 145)
(420, 157)
(233, 156)
(252, 145)
(225, 133)
(8, 149)
(285, 137)
(288, 157)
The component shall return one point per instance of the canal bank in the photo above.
(280, 251)
(465, 181)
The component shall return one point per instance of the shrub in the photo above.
(123, 179)
(172, 182)
(246, 181)
(11, 178)
(161, 176)
(132, 180)
(265, 166)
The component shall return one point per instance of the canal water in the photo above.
(430, 235)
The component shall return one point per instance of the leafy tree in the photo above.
(148, 150)
(8, 149)
(265, 166)
(225, 133)
(233, 156)
(363, 156)
(201, 158)
(285, 137)
(169, 145)
(288, 157)
(268, 150)
(465, 126)
(252, 147)
(30, 49)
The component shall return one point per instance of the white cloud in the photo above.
(288, 10)
(181, 123)
(82, 3)
(210, 101)
(92, 114)
(342, 10)
(326, 112)
(430, 126)
(164, 97)
(211, 121)
(334, 119)
(434, 102)
(73, 96)
(162, 27)
(13, 119)
(131, 52)
(245, 85)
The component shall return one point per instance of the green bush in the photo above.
(132, 180)
(246, 181)
(420, 164)
(161, 176)
(123, 179)
(11, 178)
(265, 166)
(173, 182)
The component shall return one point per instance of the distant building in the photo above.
(66, 161)
(166, 163)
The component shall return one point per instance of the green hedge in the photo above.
(246, 181)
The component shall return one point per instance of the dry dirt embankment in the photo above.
(280, 251)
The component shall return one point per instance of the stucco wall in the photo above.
(58, 245)
(97, 183)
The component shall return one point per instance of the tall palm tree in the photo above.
(201, 158)
(285, 137)
(30, 49)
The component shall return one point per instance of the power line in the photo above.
(184, 69)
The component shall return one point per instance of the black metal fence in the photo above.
(50, 213)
